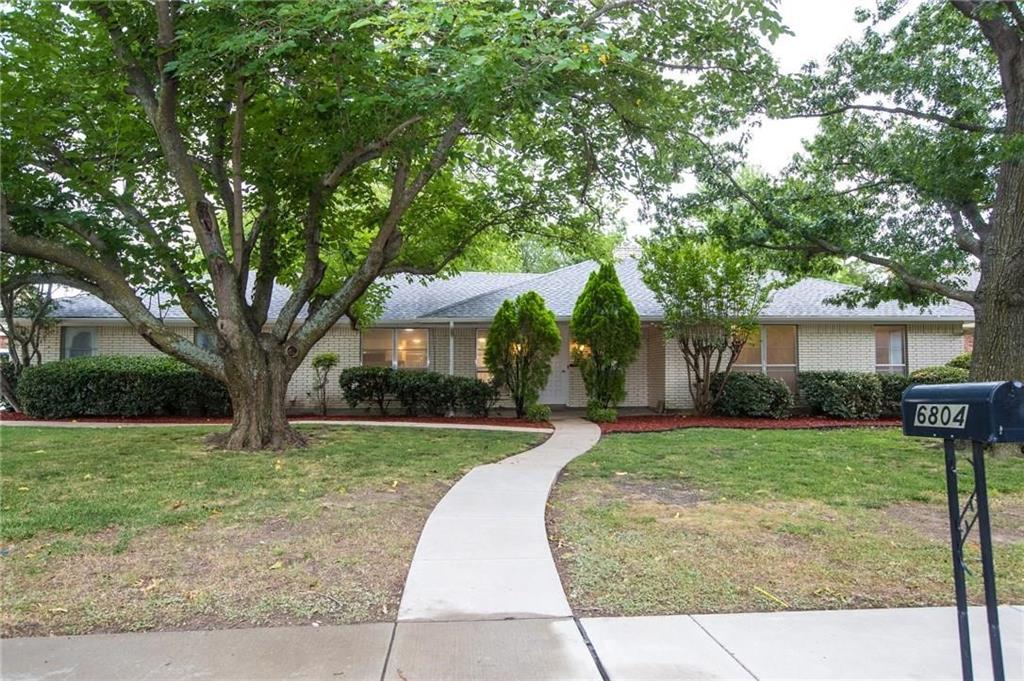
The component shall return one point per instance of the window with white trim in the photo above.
(78, 341)
(771, 350)
(396, 348)
(890, 349)
(482, 372)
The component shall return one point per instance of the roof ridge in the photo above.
(544, 275)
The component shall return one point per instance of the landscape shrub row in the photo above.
(119, 386)
(418, 393)
(838, 394)
(852, 395)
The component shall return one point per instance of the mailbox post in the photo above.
(983, 413)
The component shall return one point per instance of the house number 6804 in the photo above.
(941, 415)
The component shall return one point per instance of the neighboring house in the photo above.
(442, 325)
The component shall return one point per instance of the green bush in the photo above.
(426, 393)
(420, 393)
(599, 414)
(939, 374)
(893, 386)
(961, 361)
(367, 385)
(537, 412)
(842, 394)
(754, 395)
(120, 386)
(606, 328)
(476, 397)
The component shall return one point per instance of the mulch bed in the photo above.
(648, 424)
(204, 420)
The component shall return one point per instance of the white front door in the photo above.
(557, 389)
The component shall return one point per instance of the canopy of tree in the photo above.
(918, 168)
(213, 148)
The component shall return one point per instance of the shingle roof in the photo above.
(478, 295)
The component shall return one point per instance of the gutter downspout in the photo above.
(451, 348)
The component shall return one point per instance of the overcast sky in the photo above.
(818, 26)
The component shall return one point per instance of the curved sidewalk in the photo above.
(483, 553)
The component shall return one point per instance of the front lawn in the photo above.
(717, 520)
(118, 529)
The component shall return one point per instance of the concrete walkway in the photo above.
(911, 643)
(484, 550)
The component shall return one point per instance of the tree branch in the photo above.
(901, 111)
(963, 236)
(115, 290)
(237, 226)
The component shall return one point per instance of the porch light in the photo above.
(579, 349)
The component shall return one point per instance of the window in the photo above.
(891, 349)
(377, 347)
(412, 347)
(397, 348)
(481, 346)
(77, 341)
(206, 340)
(771, 350)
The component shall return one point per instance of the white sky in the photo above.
(818, 26)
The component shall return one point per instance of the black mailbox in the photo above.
(983, 412)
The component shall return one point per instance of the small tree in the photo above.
(712, 297)
(606, 328)
(32, 305)
(520, 344)
(322, 365)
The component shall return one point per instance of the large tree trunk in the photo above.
(999, 300)
(258, 385)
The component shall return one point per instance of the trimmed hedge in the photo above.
(537, 413)
(842, 394)
(893, 386)
(420, 393)
(939, 374)
(599, 414)
(119, 385)
(961, 361)
(754, 395)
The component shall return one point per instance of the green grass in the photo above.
(716, 520)
(126, 529)
(84, 480)
(866, 467)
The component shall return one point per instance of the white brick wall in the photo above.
(677, 377)
(659, 372)
(847, 347)
(342, 339)
(933, 344)
(654, 340)
(832, 346)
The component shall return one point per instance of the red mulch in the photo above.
(200, 420)
(647, 424)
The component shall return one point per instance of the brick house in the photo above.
(441, 325)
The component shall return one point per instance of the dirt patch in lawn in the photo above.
(661, 491)
(622, 553)
(932, 521)
(342, 562)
